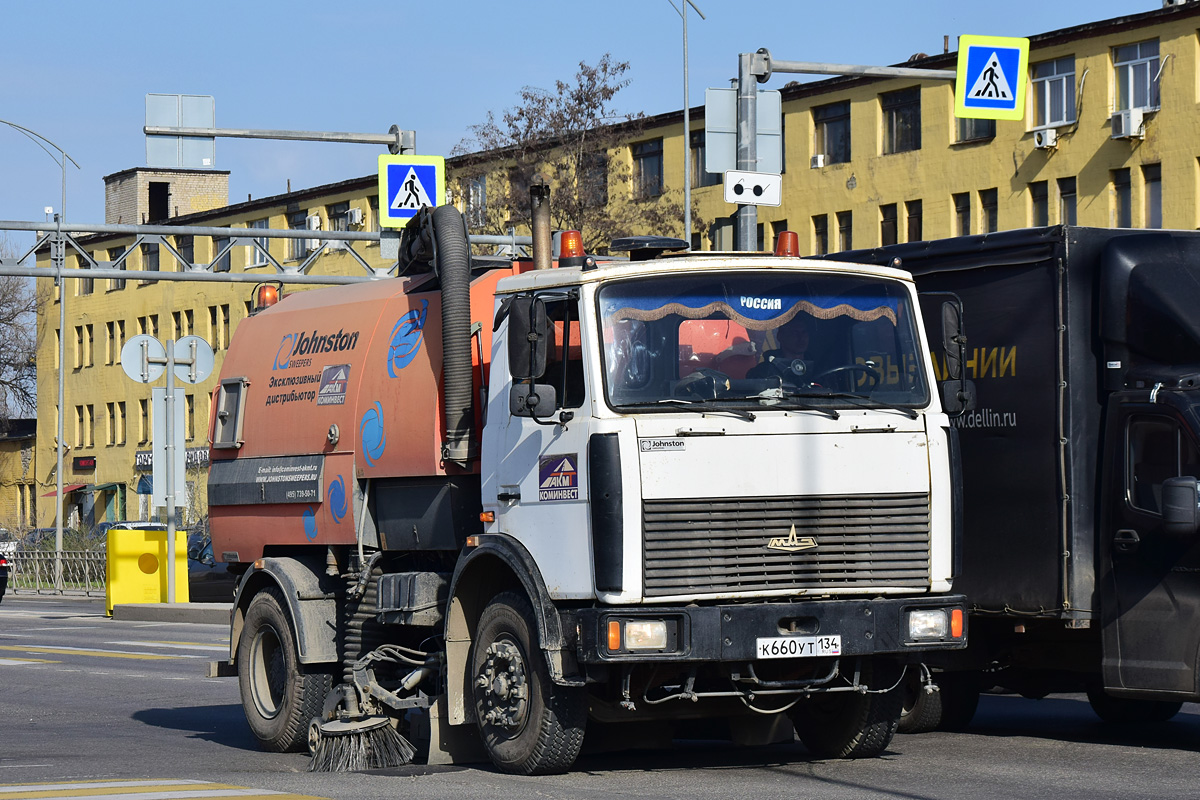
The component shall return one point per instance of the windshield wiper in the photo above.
(773, 399)
(696, 406)
(865, 401)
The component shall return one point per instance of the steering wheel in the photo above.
(863, 368)
(705, 383)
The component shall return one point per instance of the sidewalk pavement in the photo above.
(200, 613)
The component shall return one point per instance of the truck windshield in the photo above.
(754, 339)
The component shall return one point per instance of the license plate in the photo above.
(798, 646)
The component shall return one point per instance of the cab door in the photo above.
(541, 481)
(1151, 594)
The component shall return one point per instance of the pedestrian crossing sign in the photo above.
(991, 77)
(408, 184)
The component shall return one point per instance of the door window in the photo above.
(564, 362)
(1158, 449)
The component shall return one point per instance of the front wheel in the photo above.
(920, 711)
(849, 724)
(529, 725)
(279, 694)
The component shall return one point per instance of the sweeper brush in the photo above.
(348, 746)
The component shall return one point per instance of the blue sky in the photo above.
(78, 72)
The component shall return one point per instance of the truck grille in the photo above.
(707, 546)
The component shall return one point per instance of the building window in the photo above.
(148, 325)
(186, 245)
(78, 346)
(115, 262)
(110, 424)
(778, 227)
(700, 178)
(831, 125)
(820, 225)
(159, 201)
(962, 213)
(845, 221)
(143, 421)
(593, 182)
(976, 130)
(184, 322)
(86, 285)
(297, 221)
(220, 254)
(901, 120)
(254, 252)
(110, 343)
(1039, 204)
(373, 202)
(1136, 75)
(1054, 92)
(648, 169)
(887, 224)
(912, 213)
(120, 432)
(989, 211)
(149, 260)
(1152, 175)
(339, 216)
(476, 201)
(1122, 199)
(189, 414)
(80, 440)
(1066, 201)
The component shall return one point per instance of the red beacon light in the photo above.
(571, 252)
(787, 244)
(266, 295)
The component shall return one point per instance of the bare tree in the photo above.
(575, 140)
(18, 341)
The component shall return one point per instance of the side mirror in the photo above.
(1180, 497)
(952, 339)
(535, 400)
(958, 397)
(530, 336)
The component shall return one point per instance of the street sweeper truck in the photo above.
(1081, 554)
(512, 498)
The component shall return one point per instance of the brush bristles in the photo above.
(352, 751)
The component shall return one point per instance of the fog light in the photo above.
(646, 635)
(928, 624)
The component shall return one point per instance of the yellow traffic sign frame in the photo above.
(972, 49)
(386, 218)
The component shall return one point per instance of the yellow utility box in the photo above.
(136, 561)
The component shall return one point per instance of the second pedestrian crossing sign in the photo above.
(408, 184)
(991, 77)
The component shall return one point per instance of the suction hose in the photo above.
(454, 270)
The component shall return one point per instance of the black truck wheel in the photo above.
(920, 711)
(849, 724)
(1128, 711)
(959, 697)
(279, 694)
(529, 725)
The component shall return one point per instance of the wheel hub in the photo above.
(503, 686)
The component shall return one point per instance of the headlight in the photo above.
(932, 623)
(646, 635)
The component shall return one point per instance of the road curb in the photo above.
(203, 613)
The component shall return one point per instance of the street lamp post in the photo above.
(681, 10)
(58, 258)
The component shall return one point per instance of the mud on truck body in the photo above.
(533, 497)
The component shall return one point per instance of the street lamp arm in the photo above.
(38, 139)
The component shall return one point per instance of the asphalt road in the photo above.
(90, 705)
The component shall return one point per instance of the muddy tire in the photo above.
(920, 711)
(529, 725)
(279, 694)
(849, 724)
(1128, 711)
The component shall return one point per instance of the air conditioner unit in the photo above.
(354, 216)
(817, 162)
(313, 223)
(1045, 140)
(1128, 124)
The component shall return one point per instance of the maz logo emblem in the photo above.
(791, 543)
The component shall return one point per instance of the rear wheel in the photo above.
(529, 725)
(849, 724)
(920, 711)
(1127, 711)
(279, 694)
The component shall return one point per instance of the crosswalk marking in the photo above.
(140, 790)
(16, 662)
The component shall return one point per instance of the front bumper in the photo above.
(729, 633)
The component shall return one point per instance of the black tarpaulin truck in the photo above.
(1080, 558)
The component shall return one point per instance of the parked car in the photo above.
(3, 574)
(8, 542)
(208, 581)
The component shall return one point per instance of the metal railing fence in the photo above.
(32, 571)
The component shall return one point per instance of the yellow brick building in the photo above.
(867, 161)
